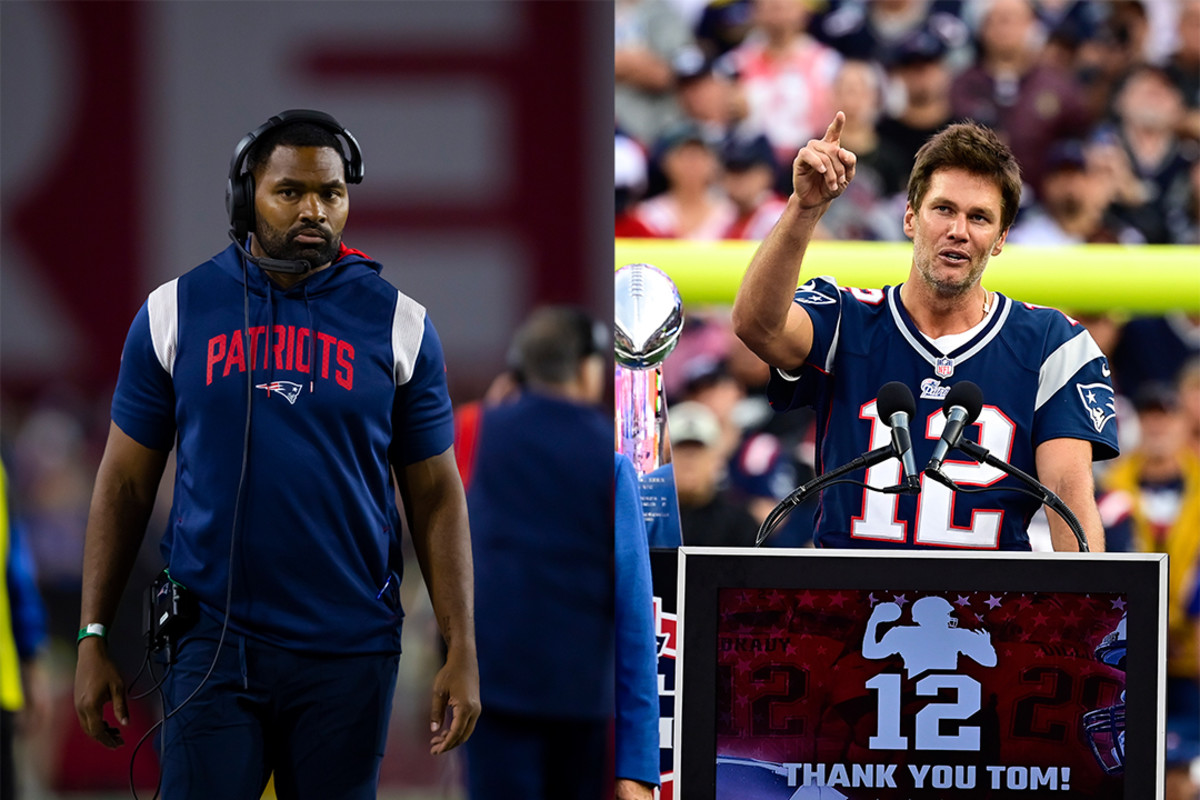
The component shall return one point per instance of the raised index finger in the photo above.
(833, 133)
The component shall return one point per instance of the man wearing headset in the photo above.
(563, 595)
(299, 389)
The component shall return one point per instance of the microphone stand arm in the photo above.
(1049, 498)
(785, 506)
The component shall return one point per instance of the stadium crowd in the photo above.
(1100, 102)
(1100, 106)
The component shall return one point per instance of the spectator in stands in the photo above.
(1184, 67)
(1188, 388)
(1184, 220)
(749, 181)
(1105, 56)
(1153, 349)
(873, 206)
(760, 449)
(1072, 205)
(875, 30)
(1157, 487)
(786, 76)
(1012, 91)
(1147, 163)
(692, 207)
(1069, 22)
(629, 184)
(723, 25)
(707, 94)
(707, 381)
(707, 515)
(920, 70)
(649, 34)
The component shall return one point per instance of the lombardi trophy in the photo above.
(648, 318)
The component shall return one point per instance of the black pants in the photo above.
(319, 723)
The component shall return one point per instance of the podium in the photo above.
(901, 675)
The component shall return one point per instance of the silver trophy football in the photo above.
(648, 320)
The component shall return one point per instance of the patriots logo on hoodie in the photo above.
(288, 389)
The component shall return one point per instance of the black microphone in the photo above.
(896, 407)
(273, 264)
(963, 404)
(895, 402)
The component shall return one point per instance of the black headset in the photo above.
(239, 191)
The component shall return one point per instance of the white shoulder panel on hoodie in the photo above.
(408, 331)
(163, 308)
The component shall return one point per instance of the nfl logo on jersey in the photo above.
(943, 367)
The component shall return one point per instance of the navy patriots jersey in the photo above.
(1042, 377)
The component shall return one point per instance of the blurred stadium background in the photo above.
(484, 127)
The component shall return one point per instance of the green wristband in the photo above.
(92, 629)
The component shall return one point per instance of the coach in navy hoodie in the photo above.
(293, 382)
(563, 602)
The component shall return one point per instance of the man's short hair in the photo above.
(549, 347)
(290, 134)
(976, 149)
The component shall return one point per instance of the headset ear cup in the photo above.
(239, 202)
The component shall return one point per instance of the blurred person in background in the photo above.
(648, 36)
(922, 80)
(707, 94)
(289, 666)
(775, 454)
(630, 180)
(707, 381)
(1011, 90)
(1183, 67)
(766, 455)
(749, 182)
(53, 487)
(1154, 349)
(1067, 23)
(25, 702)
(693, 205)
(1103, 55)
(869, 209)
(1188, 385)
(723, 25)
(873, 30)
(785, 75)
(547, 567)
(1154, 491)
(708, 514)
(1072, 207)
(1147, 163)
(1186, 226)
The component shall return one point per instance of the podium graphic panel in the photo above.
(905, 677)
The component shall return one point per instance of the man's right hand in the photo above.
(823, 168)
(97, 682)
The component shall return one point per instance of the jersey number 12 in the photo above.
(935, 505)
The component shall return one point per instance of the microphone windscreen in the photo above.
(895, 396)
(967, 395)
